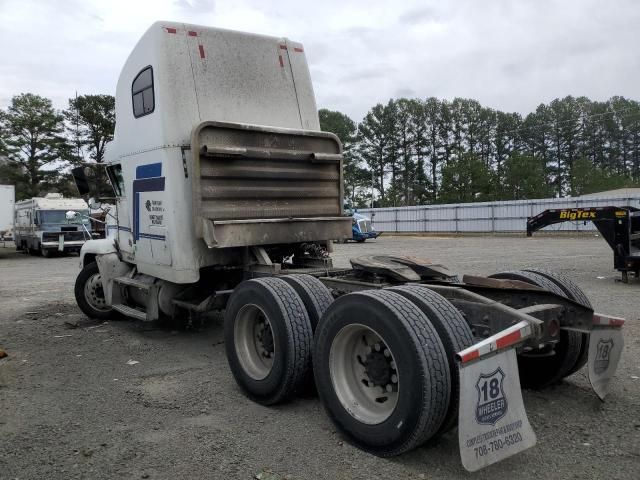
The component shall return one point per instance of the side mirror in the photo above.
(94, 204)
(71, 214)
(80, 178)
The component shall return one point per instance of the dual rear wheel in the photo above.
(383, 360)
(547, 367)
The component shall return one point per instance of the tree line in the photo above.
(406, 152)
(38, 143)
(413, 152)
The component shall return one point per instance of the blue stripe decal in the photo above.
(149, 171)
(143, 185)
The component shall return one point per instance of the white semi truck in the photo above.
(228, 196)
(42, 227)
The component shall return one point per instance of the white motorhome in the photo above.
(41, 225)
(228, 197)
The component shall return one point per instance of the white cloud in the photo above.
(509, 55)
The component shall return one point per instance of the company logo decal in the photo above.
(492, 403)
(603, 354)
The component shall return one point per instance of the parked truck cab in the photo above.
(228, 196)
(361, 228)
(217, 150)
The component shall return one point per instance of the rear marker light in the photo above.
(171, 30)
(201, 49)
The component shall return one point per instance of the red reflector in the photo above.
(298, 49)
(281, 60)
(171, 30)
(193, 34)
(509, 339)
(470, 356)
(201, 48)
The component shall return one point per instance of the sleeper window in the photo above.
(142, 93)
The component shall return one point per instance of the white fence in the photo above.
(488, 217)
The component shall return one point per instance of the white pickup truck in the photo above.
(228, 196)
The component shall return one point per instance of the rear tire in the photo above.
(314, 294)
(268, 339)
(454, 332)
(575, 293)
(381, 371)
(541, 370)
(571, 290)
(90, 295)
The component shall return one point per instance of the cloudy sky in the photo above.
(510, 55)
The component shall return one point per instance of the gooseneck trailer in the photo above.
(619, 226)
(228, 196)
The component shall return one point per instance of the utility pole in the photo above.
(77, 128)
(373, 179)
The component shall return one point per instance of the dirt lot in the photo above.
(73, 404)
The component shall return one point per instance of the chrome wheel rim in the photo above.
(364, 374)
(254, 341)
(94, 293)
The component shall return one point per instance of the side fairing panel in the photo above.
(304, 86)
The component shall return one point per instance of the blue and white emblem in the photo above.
(492, 403)
(603, 355)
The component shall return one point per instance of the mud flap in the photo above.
(605, 350)
(493, 424)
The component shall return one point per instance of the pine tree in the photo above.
(35, 144)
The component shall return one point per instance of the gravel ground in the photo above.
(73, 404)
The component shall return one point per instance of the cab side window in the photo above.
(114, 172)
(142, 93)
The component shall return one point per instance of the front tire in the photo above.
(381, 371)
(90, 294)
